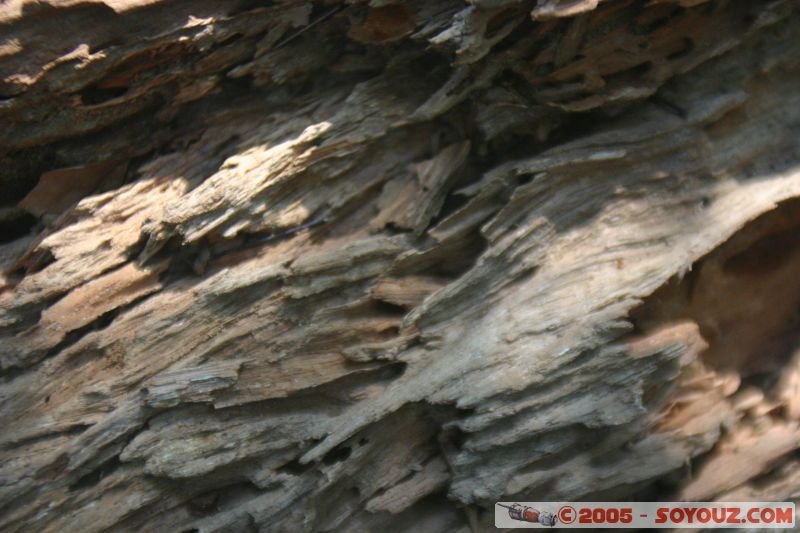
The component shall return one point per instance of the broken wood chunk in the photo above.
(411, 203)
(59, 189)
(191, 385)
(408, 291)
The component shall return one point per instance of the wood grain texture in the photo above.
(368, 266)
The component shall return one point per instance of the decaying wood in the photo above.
(328, 266)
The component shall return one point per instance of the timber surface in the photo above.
(373, 266)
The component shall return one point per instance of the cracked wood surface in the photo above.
(375, 265)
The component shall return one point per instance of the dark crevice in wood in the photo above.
(765, 255)
(99, 95)
(96, 476)
(15, 223)
(338, 454)
(72, 337)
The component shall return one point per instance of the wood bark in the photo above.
(375, 265)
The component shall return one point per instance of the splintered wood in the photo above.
(373, 266)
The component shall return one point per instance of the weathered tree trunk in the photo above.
(373, 266)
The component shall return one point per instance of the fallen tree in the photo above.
(366, 266)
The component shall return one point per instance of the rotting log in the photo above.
(373, 266)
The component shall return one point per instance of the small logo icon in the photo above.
(567, 514)
(528, 514)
